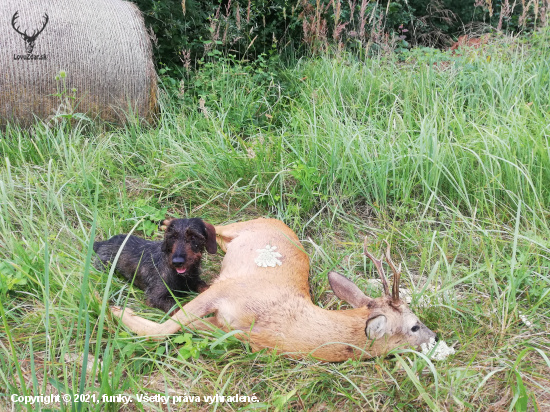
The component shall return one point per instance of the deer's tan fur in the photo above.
(466, 41)
(273, 307)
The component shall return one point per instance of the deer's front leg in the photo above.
(136, 324)
(202, 305)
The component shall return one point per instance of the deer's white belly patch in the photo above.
(267, 257)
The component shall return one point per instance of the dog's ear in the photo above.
(164, 247)
(164, 224)
(211, 245)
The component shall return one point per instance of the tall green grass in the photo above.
(450, 164)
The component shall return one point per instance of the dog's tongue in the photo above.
(180, 270)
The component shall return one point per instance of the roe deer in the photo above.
(265, 294)
(472, 42)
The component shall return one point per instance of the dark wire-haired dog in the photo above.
(159, 268)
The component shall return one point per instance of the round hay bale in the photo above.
(102, 46)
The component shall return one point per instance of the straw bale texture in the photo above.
(102, 45)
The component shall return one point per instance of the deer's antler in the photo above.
(396, 274)
(13, 19)
(378, 264)
(24, 34)
(46, 20)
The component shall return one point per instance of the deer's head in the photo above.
(29, 39)
(388, 319)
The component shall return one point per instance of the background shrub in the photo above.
(186, 32)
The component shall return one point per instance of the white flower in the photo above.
(440, 352)
(525, 321)
(268, 257)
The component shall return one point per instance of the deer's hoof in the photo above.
(118, 312)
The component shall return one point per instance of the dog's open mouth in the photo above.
(181, 270)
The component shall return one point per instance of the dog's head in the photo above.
(185, 240)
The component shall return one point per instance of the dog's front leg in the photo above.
(202, 305)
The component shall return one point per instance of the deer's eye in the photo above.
(415, 328)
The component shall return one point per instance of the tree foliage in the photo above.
(184, 32)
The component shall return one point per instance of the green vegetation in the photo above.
(448, 161)
(189, 30)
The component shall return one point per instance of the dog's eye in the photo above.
(415, 328)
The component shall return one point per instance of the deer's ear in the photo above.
(376, 327)
(211, 246)
(165, 223)
(346, 290)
